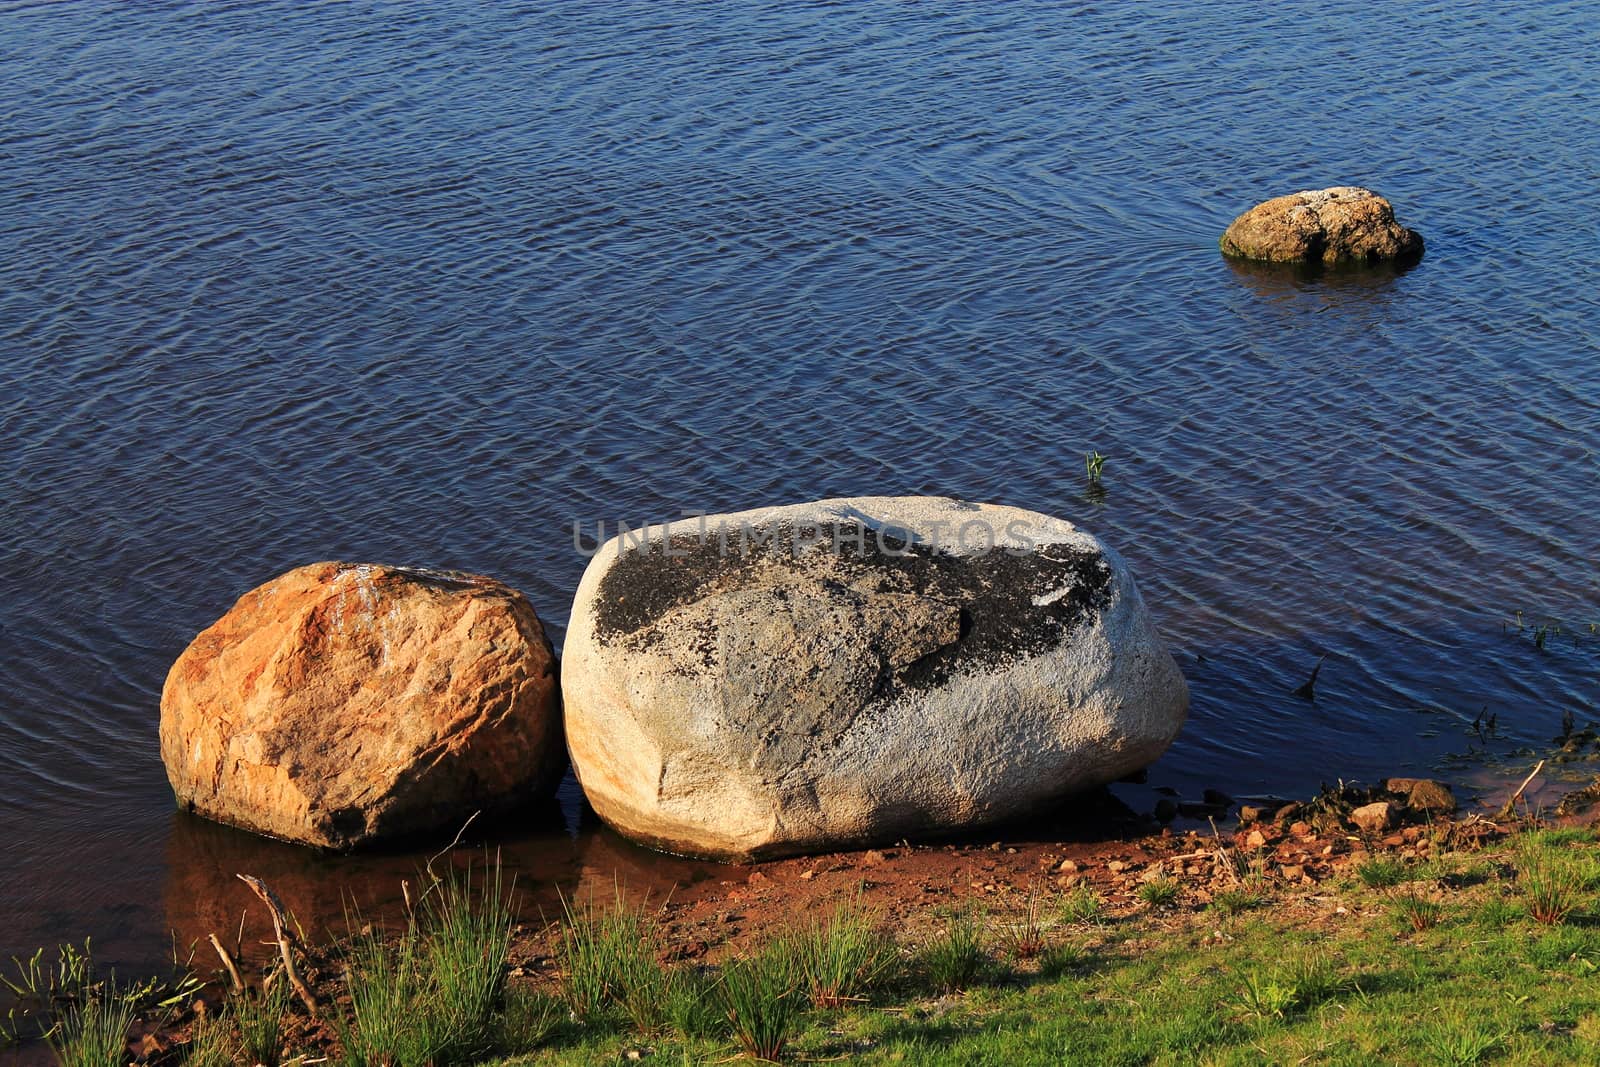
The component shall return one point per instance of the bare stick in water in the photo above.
(434, 881)
(227, 963)
(280, 927)
(1505, 812)
(459, 833)
(1309, 690)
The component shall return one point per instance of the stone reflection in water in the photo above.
(608, 862)
(539, 858)
(1269, 280)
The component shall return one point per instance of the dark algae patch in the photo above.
(1010, 604)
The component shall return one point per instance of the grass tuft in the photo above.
(1460, 1040)
(467, 938)
(1060, 960)
(393, 1020)
(212, 1044)
(1159, 892)
(844, 958)
(1081, 905)
(612, 958)
(692, 1008)
(763, 996)
(528, 1020)
(1302, 982)
(1417, 911)
(954, 959)
(1264, 996)
(1314, 978)
(1496, 912)
(1381, 872)
(94, 1033)
(260, 1022)
(38, 987)
(1246, 896)
(1562, 946)
(1552, 885)
(1023, 933)
(433, 995)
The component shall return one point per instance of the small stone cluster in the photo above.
(1369, 811)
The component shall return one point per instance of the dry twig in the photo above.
(227, 963)
(286, 938)
(1511, 804)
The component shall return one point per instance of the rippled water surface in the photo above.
(291, 282)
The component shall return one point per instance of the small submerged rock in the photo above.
(341, 704)
(1424, 794)
(850, 671)
(1342, 225)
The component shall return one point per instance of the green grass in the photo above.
(1562, 835)
(1381, 872)
(1416, 911)
(434, 994)
(393, 1021)
(1455, 1039)
(764, 995)
(1468, 974)
(259, 1018)
(843, 958)
(1246, 896)
(1024, 930)
(610, 957)
(68, 977)
(1264, 997)
(95, 1033)
(1317, 977)
(1304, 980)
(1553, 886)
(37, 986)
(1159, 892)
(1081, 904)
(692, 1008)
(212, 1043)
(467, 939)
(1061, 959)
(529, 1019)
(954, 958)
(1564, 948)
(1271, 994)
(1496, 912)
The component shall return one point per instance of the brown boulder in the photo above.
(1423, 794)
(345, 703)
(1374, 818)
(1345, 224)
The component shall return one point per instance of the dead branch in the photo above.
(1510, 805)
(286, 937)
(227, 963)
(434, 878)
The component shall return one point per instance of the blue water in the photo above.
(289, 282)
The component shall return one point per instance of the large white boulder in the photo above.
(856, 670)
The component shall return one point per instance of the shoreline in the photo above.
(1293, 855)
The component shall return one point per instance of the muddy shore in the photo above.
(1291, 848)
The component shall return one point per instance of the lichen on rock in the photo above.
(1345, 224)
(850, 671)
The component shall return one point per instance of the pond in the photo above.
(285, 282)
